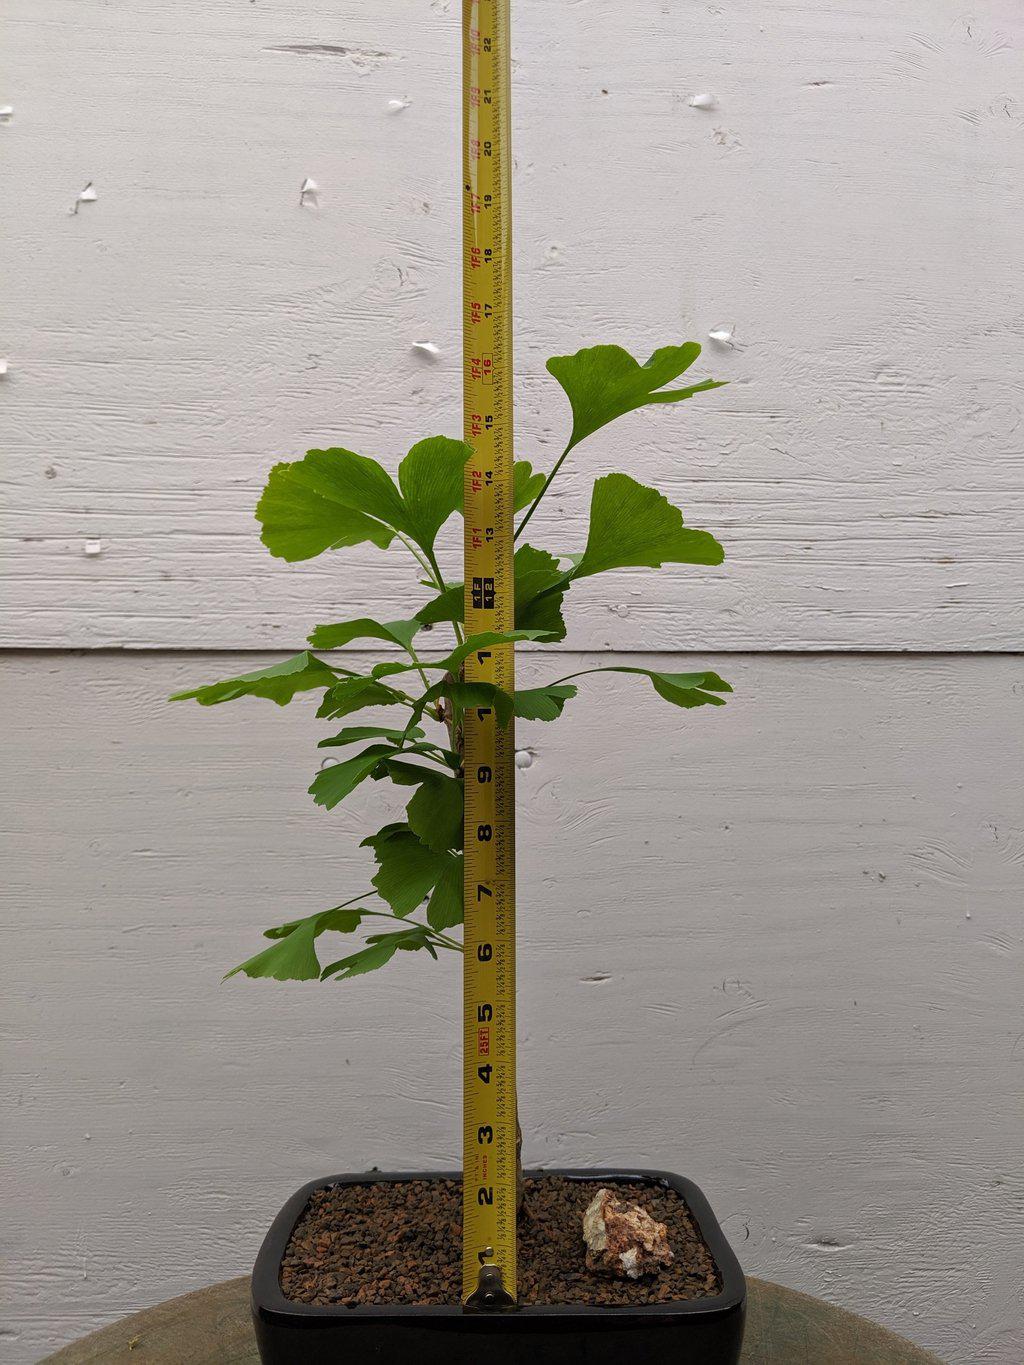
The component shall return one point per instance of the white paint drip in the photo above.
(6, 113)
(86, 196)
(3, 368)
(309, 193)
(524, 759)
(721, 335)
(397, 105)
(429, 348)
(705, 100)
(93, 548)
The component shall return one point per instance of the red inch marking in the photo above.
(483, 1042)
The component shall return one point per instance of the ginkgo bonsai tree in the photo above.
(334, 498)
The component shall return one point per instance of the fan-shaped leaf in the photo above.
(446, 905)
(328, 499)
(368, 959)
(604, 382)
(435, 812)
(279, 682)
(353, 694)
(543, 703)
(333, 784)
(431, 479)
(364, 628)
(634, 525)
(293, 957)
(407, 869)
(525, 484)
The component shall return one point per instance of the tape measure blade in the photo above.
(489, 1097)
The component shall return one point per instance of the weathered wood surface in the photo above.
(212, 1327)
(776, 947)
(849, 209)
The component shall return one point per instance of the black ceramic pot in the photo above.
(691, 1332)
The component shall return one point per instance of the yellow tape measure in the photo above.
(489, 1051)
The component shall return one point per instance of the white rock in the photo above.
(623, 1238)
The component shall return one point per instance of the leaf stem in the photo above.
(424, 565)
(547, 484)
(442, 939)
(440, 585)
(419, 666)
(581, 674)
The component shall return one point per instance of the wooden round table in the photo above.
(211, 1327)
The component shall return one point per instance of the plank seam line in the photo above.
(835, 652)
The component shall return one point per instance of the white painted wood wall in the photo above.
(777, 947)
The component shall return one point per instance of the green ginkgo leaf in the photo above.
(605, 382)
(333, 784)
(353, 734)
(364, 628)
(354, 693)
(543, 703)
(341, 919)
(435, 812)
(681, 689)
(407, 869)
(445, 907)
(431, 479)
(540, 588)
(525, 484)
(631, 525)
(367, 959)
(279, 682)
(333, 498)
(293, 956)
(327, 500)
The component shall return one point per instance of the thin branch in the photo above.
(441, 587)
(547, 484)
(442, 939)
(424, 565)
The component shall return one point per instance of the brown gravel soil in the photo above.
(400, 1242)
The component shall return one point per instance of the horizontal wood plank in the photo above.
(775, 946)
(847, 211)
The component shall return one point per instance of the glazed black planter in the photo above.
(690, 1332)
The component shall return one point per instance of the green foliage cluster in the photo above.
(335, 498)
